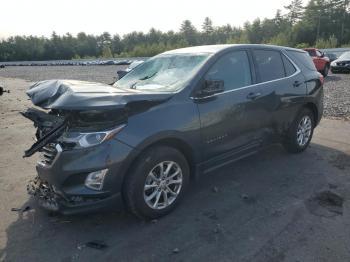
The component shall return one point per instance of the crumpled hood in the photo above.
(82, 95)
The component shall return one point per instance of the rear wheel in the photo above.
(157, 182)
(300, 132)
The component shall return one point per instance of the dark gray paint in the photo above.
(210, 131)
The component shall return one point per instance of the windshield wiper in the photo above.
(148, 77)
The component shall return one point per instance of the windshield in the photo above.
(163, 72)
(346, 55)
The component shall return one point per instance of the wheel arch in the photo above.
(171, 141)
(311, 106)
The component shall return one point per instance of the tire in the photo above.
(135, 192)
(325, 70)
(295, 143)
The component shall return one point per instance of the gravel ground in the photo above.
(337, 96)
(336, 89)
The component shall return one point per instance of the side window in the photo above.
(303, 58)
(233, 69)
(311, 52)
(288, 66)
(269, 64)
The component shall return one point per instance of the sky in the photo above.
(42, 17)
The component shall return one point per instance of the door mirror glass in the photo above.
(212, 87)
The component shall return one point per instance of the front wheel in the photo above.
(300, 132)
(157, 182)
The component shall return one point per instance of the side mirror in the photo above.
(212, 87)
(322, 54)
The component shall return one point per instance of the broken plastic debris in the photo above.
(2, 91)
(245, 196)
(25, 209)
(96, 244)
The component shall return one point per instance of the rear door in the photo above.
(283, 89)
(230, 119)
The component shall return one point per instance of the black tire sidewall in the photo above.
(135, 184)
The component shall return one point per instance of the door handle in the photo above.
(296, 83)
(253, 96)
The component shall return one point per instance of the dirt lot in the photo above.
(272, 206)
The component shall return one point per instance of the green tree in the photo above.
(207, 26)
(189, 32)
(106, 52)
(295, 11)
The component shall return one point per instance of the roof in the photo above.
(217, 48)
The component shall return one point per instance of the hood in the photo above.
(344, 60)
(82, 95)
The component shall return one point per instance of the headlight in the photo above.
(81, 139)
(333, 63)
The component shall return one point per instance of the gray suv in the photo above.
(179, 114)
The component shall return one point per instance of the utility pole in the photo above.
(346, 3)
(318, 26)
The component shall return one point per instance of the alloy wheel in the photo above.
(163, 185)
(304, 131)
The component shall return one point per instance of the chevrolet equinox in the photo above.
(177, 115)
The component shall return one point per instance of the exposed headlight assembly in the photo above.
(84, 140)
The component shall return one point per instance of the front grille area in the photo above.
(48, 154)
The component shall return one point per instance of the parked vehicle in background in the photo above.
(321, 62)
(177, 115)
(342, 64)
(122, 73)
(337, 51)
(331, 56)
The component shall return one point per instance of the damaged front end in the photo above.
(45, 193)
(63, 140)
(80, 157)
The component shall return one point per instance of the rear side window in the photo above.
(311, 52)
(302, 57)
(269, 64)
(233, 68)
(288, 66)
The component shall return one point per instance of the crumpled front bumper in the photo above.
(51, 200)
(60, 186)
(44, 193)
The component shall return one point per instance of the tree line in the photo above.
(321, 23)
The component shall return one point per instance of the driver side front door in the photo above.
(230, 122)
